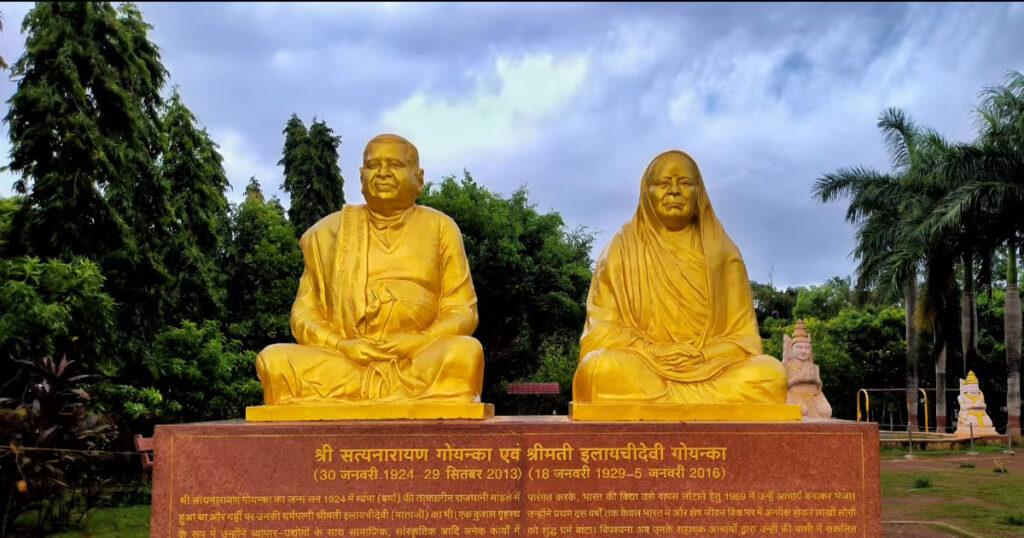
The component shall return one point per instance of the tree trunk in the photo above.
(940, 382)
(912, 380)
(968, 314)
(1012, 328)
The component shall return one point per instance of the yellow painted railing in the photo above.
(867, 404)
(925, 394)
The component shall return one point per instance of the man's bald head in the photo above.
(411, 152)
(391, 176)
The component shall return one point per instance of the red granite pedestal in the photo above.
(516, 476)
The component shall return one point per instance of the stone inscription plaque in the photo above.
(528, 476)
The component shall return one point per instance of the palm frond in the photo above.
(899, 132)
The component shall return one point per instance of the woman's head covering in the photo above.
(661, 286)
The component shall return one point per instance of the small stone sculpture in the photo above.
(972, 410)
(804, 379)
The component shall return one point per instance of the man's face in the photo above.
(673, 192)
(390, 179)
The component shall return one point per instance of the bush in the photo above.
(1016, 520)
(195, 374)
(51, 434)
(922, 482)
(858, 348)
(48, 309)
(130, 493)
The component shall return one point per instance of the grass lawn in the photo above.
(962, 491)
(127, 522)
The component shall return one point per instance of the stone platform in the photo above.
(516, 476)
(369, 411)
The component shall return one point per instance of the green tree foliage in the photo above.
(50, 309)
(200, 375)
(311, 173)
(824, 301)
(857, 348)
(772, 303)
(559, 357)
(9, 208)
(85, 136)
(531, 275)
(263, 264)
(193, 169)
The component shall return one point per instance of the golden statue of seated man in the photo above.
(386, 304)
(670, 316)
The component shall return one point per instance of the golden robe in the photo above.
(373, 279)
(653, 286)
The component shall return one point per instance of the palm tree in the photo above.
(919, 152)
(877, 203)
(992, 193)
(893, 247)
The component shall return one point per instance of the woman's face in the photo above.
(673, 192)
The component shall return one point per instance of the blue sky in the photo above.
(573, 100)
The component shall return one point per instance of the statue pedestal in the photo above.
(632, 412)
(516, 476)
(369, 411)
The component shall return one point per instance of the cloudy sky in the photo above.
(574, 100)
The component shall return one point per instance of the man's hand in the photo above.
(363, 352)
(680, 355)
(404, 345)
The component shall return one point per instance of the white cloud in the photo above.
(638, 44)
(503, 111)
(574, 99)
(242, 161)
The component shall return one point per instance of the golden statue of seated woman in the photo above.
(671, 332)
(384, 311)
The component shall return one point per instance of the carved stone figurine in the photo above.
(671, 332)
(972, 410)
(384, 311)
(804, 378)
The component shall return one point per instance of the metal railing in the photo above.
(866, 414)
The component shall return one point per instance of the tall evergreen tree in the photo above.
(326, 193)
(297, 162)
(311, 174)
(85, 136)
(192, 167)
(263, 264)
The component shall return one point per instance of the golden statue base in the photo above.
(367, 411)
(631, 412)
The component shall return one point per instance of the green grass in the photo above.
(893, 453)
(975, 499)
(127, 522)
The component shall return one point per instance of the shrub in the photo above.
(48, 309)
(922, 482)
(195, 374)
(51, 436)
